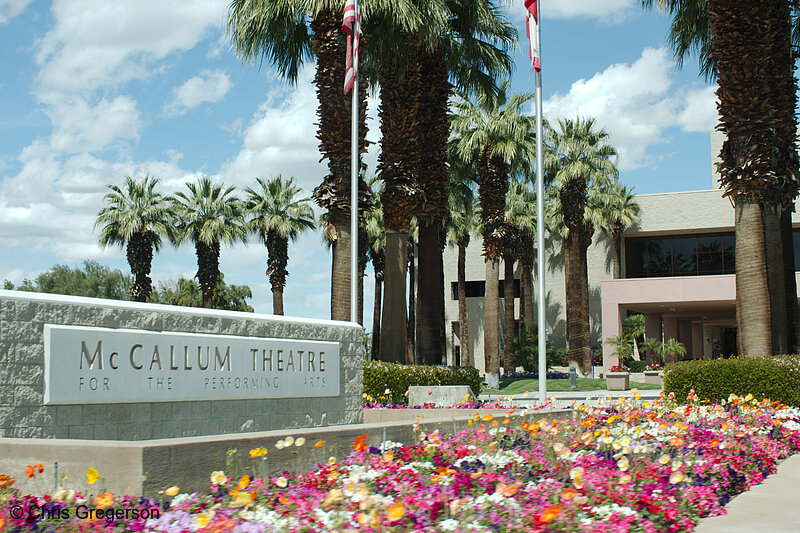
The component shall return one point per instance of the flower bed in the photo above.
(623, 466)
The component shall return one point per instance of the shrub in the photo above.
(525, 351)
(379, 376)
(636, 366)
(776, 377)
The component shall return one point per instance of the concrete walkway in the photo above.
(772, 507)
(564, 398)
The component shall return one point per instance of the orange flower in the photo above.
(436, 478)
(525, 425)
(508, 490)
(676, 441)
(395, 512)
(511, 412)
(550, 514)
(482, 427)
(2, 521)
(506, 420)
(319, 444)
(284, 500)
(5, 481)
(568, 493)
(487, 417)
(494, 423)
(714, 442)
(101, 501)
(360, 445)
(244, 481)
(29, 471)
(39, 467)
(589, 422)
(388, 456)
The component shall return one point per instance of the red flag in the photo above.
(352, 29)
(532, 29)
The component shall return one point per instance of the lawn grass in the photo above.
(523, 385)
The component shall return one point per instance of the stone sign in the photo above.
(103, 365)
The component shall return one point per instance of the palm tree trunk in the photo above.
(527, 288)
(334, 114)
(586, 339)
(430, 283)
(277, 259)
(775, 279)
(376, 319)
(576, 322)
(340, 281)
(140, 258)
(790, 281)
(616, 255)
(491, 321)
(463, 321)
(393, 323)
(521, 318)
(207, 270)
(508, 310)
(752, 291)
(411, 352)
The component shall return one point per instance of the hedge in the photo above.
(379, 376)
(775, 377)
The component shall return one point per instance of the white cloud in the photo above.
(81, 127)
(99, 43)
(607, 10)
(700, 113)
(633, 102)
(210, 86)
(11, 8)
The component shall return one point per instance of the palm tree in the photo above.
(578, 156)
(376, 239)
(137, 217)
(463, 222)
(208, 216)
(277, 216)
(620, 211)
(492, 135)
(470, 53)
(521, 215)
(768, 296)
(288, 34)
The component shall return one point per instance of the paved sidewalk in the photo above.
(564, 398)
(772, 507)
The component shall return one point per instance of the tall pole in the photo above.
(542, 323)
(354, 189)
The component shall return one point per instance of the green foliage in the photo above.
(636, 366)
(93, 280)
(673, 350)
(525, 351)
(186, 293)
(623, 347)
(633, 326)
(379, 376)
(655, 346)
(775, 377)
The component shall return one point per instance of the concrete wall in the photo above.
(23, 414)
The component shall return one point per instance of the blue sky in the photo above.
(92, 91)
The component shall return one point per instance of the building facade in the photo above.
(677, 269)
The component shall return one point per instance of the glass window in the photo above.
(709, 243)
(684, 255)
(709, 263)
(635, 266)
(684, 245)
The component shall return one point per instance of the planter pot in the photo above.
(618, 380)
(654, 377)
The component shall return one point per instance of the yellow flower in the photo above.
(288, 441)
(623, 464)
(218, 477)
(244, 481)
(172, 491)
(258, 452)
(92, 475)
(332, 459)
(395, 512)
(281, 482)
(334, 496)
(676, 478)
(242, 499)
(664, 459)
(300, 441)
(625, 479)
(202, 519)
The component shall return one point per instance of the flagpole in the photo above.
(354, 167)
(542, 324)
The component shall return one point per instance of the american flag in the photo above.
(532, 28)
(352, 29)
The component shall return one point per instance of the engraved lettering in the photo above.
(221, 361)
(98, 355)
(156, 359)
(133, 361)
